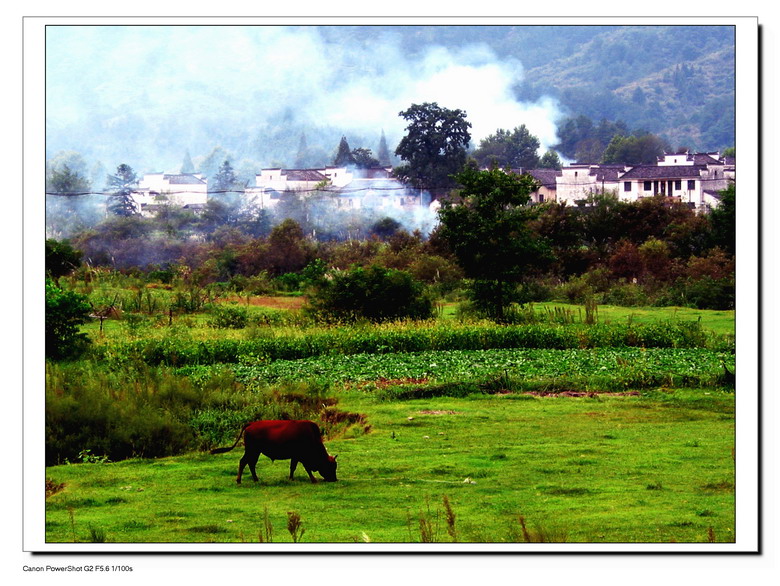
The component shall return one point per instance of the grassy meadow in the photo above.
(618, 432)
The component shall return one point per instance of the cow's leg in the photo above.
(311, 476)
(293, 466)
(243, 462)
(252, 461)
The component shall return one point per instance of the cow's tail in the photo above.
(238, 439)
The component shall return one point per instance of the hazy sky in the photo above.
(146, 94)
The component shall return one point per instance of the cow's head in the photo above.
(328, 469)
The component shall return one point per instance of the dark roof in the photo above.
(303, 175)
(706, 159)
(663, 172)
(183, 179)
(607, 172)
(545, 176)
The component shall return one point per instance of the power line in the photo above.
(347, 191)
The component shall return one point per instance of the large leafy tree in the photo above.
(490, 235)
(434, 147)
(642, 149)
(364, 158)
(584, 141)
(723, 221)
(550, 160)
(512, 149)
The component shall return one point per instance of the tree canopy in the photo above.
(344, 156)
(489, 233)
(434, 147)
(513, 149)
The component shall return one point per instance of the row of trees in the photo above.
(487, 233)
(509, 250)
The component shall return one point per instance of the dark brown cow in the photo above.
(297, 441)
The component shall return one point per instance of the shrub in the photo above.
(228, 316)
(626, 295)
(704, 293)
(65, 312)
(375, 293)
(61, 258)
(577, 290)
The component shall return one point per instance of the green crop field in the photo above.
(618, 432)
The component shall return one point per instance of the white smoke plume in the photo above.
(145, 95)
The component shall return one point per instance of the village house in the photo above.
(577, 182)
(187, 190)
(692, 178)
(547, 184)
(342, 187)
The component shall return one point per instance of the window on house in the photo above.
(691, 184)
(678, 184)
(648, 185)
(627, 186)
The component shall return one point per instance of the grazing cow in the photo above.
(297, 441)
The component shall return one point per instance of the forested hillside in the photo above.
(675, 81)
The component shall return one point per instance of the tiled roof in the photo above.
(303, 175)
(545, 176)
(705, 159)
(183, 179)
(663, 172)
(607, 172)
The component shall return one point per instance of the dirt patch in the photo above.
(271, 302)
(53, 488)
(429, 412)
(337, 422)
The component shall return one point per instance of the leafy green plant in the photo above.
(375, 294)
(228, 316)
(66, 311)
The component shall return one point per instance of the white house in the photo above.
(696, 185)
(344, 188)
(695, 179)
(189, 190)
(577, 182)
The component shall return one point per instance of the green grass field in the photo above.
(609, 469)
(598, 445)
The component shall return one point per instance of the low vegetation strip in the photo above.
(507, 369)
(409, 337)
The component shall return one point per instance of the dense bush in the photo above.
(228, 316)
(65, 312)
(703, 293)
(375, 294)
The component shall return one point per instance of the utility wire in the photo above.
(338, 191)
